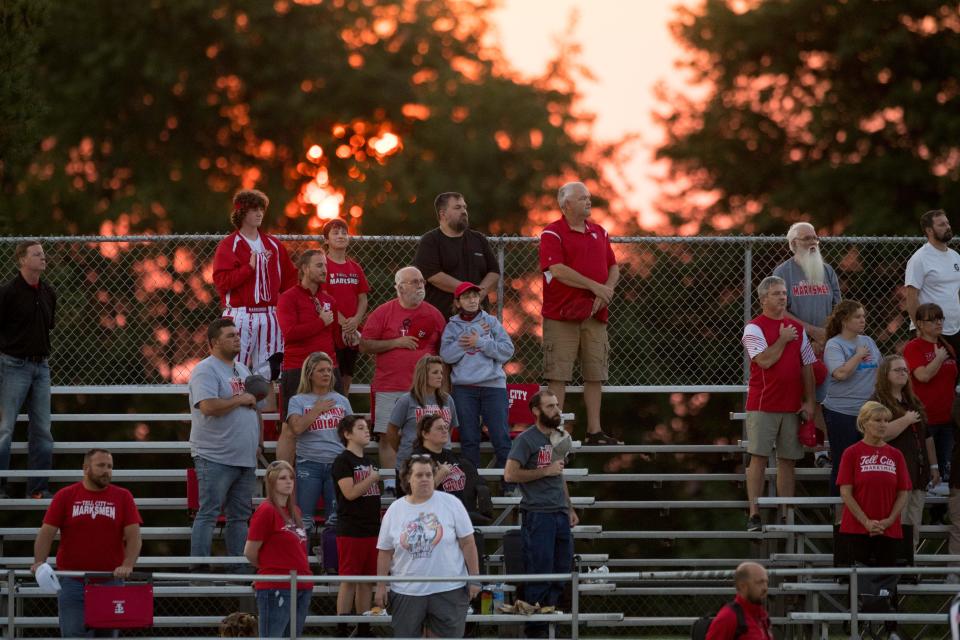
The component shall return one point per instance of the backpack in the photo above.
(702, 625)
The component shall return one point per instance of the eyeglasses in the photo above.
(421, 457)
(419, 281)
(443, 426)
(900, 370)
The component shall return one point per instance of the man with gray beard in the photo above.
(812, 285)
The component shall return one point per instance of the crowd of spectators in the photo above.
(439, 360)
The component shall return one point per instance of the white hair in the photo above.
(794, 231)
(564, 192)
(398, 276)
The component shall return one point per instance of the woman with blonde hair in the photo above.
(313, 416)
(276, 544)
(426, 396)
(874, 483)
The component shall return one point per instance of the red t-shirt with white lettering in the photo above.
(587, 252)
(345, 281)
(936, 394)
(877, 474)
(91, 526)
(394, 368)
(283, 549)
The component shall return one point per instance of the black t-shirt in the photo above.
(912, 443)
(358, 518)
(456, 481)
(467, 258)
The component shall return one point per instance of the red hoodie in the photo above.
(241, 285)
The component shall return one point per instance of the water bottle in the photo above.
(497, 597)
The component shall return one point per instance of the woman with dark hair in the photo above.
(907, 432)
(427, 396)
(313, 416)
(426, 533)
(276, 545)
(933, 372)
(852, 359)
(455, 475)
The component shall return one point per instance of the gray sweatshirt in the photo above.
(481, 365)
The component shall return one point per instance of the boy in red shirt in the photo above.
(348, 285)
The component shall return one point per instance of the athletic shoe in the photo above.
(600, 438)
(754, 523)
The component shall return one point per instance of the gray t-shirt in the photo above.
(533, 450)
(232, 438)
(320, 443)
(847, 396)
(407, 413)
(809, 302)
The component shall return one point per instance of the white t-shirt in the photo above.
(936, 275)
(425, 539)
(256, 246)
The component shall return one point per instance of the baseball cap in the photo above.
(47, 579)
(463, 287)
(257, 386)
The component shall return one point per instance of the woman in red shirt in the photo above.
(933, 371)
(276, 545)
(874, 483)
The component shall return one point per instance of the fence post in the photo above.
(575, 605)
(854, 625)
(747, 300)
(501, 261)
(11, 603)
(293, 605)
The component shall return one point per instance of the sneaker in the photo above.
(940, 490)
(821, 459)
(600, 438)
(43, 494)
(754, 523)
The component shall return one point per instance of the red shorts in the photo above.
(357, 556)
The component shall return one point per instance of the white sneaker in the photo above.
(942, 490)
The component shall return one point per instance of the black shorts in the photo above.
(347, 360)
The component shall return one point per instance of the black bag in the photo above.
(702, 625)
(513, 557)
(326, 551)
(877, 593)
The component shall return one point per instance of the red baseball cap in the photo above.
(463, 288)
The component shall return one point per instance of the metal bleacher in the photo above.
(669, 557)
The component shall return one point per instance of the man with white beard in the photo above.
(933, 275)
(812, 285)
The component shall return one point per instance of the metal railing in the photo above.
(812, 583)
(133, 310)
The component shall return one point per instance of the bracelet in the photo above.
(935, 466)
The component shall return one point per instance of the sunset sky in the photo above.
(627, 46)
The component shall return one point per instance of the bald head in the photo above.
(750, 580)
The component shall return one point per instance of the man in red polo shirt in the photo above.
(781, 384)
(398, 333)
(250, 269)
(308, 322)
(579, 277)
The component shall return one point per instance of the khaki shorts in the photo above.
(768, 430)
(383, 402)
(564, 341)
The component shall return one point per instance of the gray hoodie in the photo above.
(481, 365)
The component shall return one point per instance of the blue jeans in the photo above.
(273, 607)
(227, 489)
(942, 435)
(491, 405)
(540, 556)
(20, 381)
(841, 432)
(315, 481)
(70, 606)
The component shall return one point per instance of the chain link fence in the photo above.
(134, 310)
